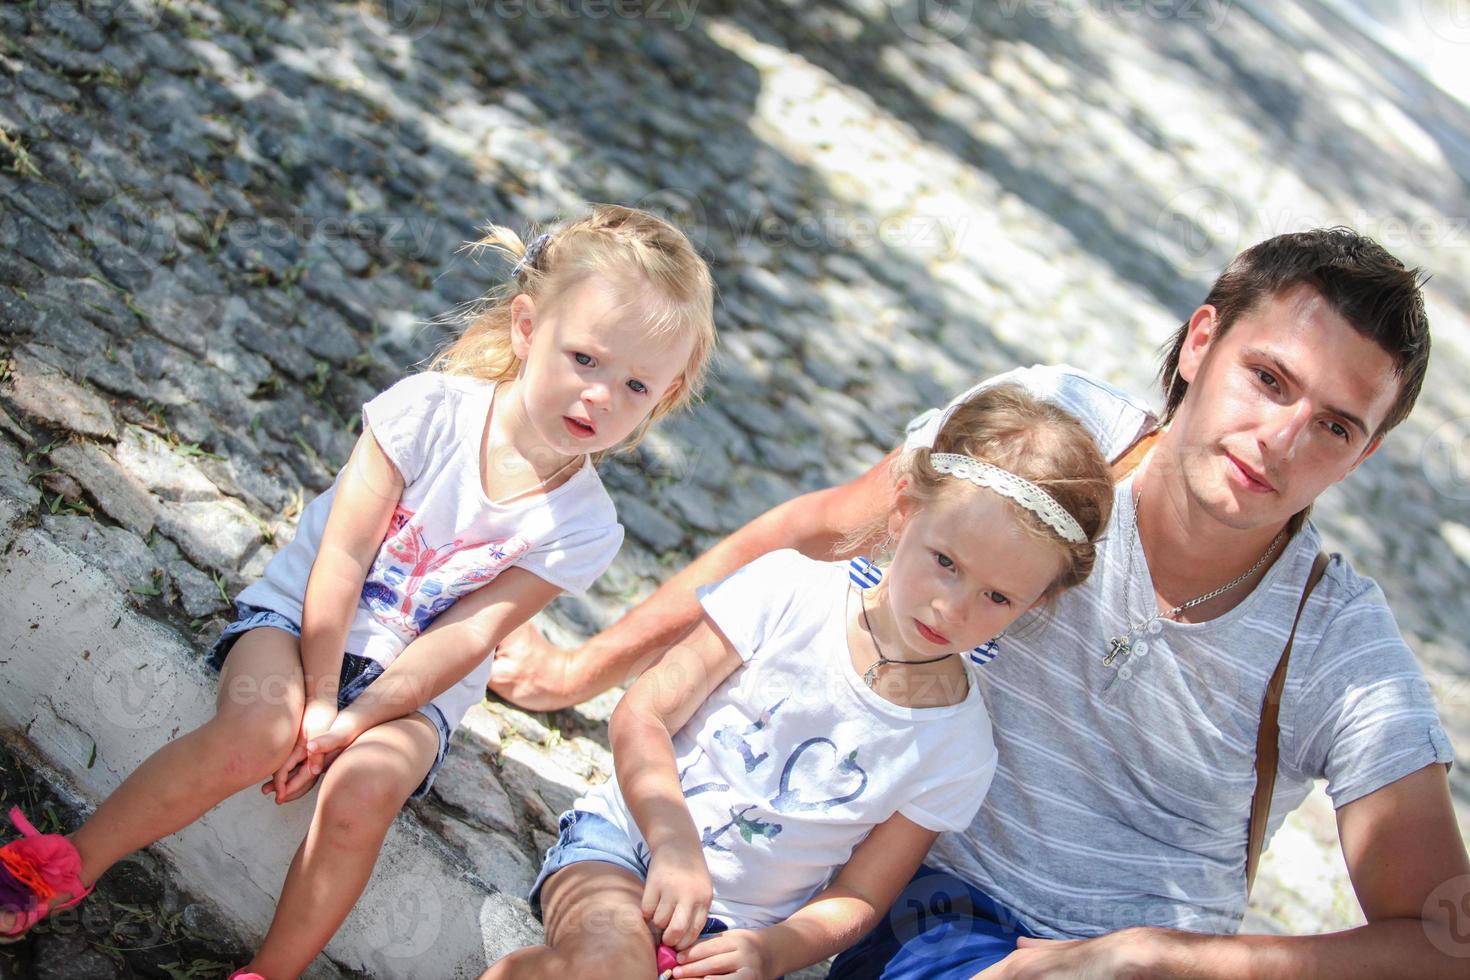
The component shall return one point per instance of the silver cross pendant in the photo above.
(1118, 646)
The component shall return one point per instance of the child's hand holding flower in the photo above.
(739, 954)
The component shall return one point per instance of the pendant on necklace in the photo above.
(871, 675)
(1118, 646)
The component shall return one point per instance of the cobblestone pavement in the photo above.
(225, 225)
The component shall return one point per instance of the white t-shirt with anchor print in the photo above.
(792, 760)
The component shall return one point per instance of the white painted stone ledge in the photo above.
(80, 668)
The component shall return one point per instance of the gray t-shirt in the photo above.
(1122, 796)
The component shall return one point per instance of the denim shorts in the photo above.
(586, 836)
(357, 674)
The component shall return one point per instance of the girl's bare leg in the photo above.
(257, 714)
(360, 795)
(594, 928)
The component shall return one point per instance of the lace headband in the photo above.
(1008, 484)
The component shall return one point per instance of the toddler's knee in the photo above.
(255, 739)
(358, 805)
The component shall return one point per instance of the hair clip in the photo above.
(532, 258)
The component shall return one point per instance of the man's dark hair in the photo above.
(1358, 278)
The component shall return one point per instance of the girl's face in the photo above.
(963, 570)
(592, 373)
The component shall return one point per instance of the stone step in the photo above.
(95, 687)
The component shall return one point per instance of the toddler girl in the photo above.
(469, 502)
(780, 775)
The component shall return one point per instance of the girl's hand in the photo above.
(677, 894)
(739, 954)
(300, 770)
(343, 732)
(318, 718)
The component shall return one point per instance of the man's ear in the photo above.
(522, 323)
(1197, 340)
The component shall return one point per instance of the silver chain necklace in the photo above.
(1122, 645)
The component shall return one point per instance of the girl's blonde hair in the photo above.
(638, 251)
(1006, 427)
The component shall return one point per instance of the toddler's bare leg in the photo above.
(594, 928)
(257, 716)
(360, 795)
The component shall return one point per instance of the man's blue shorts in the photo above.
(939, 928)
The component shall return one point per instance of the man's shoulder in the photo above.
(1347, 613)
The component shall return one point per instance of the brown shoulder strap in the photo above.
(1133, 455)
(1268, 739)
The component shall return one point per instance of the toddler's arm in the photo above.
(833, 920)
(677, 894)
(461, 637)
(368, 490)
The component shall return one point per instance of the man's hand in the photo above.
(739, 954)
(1115, 955)
(677, 894)
(531, 672)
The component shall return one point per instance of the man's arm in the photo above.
(536, 675)
(1411, 874)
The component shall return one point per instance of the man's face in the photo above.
(1278, 409)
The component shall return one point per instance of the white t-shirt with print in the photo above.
(446, 538)
(792, 760)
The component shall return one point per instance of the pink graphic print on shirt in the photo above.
(413, 581)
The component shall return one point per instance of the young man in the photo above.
(1127, 714)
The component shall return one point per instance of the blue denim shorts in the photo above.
(357, 674)
(586, 836)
